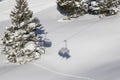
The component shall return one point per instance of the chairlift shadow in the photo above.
(64, 52)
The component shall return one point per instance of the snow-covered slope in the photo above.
(35, 5)
(94, 48)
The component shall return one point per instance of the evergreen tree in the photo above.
(20, 43)
(93, 7)
(108, 7)
(76, 8)
(72, 8)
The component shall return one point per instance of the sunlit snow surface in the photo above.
(35, 5)
(94, 46)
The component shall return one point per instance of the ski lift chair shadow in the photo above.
(64, 52)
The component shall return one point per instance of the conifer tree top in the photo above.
(21, 12)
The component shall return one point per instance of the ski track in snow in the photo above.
(87, 25)
(62, 74)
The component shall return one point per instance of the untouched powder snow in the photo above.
(93, 43)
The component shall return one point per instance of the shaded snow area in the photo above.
(94, 46)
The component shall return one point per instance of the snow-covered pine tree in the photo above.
(108, 7)
(81, 7)
(20, 43)
(93, 7)
(66, 7)
(72, 8)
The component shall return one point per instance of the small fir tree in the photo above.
(105, 7)
(71, 8)
(108, 7)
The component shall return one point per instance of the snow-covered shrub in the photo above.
(93, 7)
(76, 8)
(104, 7)
(20, 42)
(72, 8)
(108, 7)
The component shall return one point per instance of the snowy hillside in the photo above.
(94, 46)
(35, 5)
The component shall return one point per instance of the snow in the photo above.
(30, 46)
(93, 42)
(35, 5)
